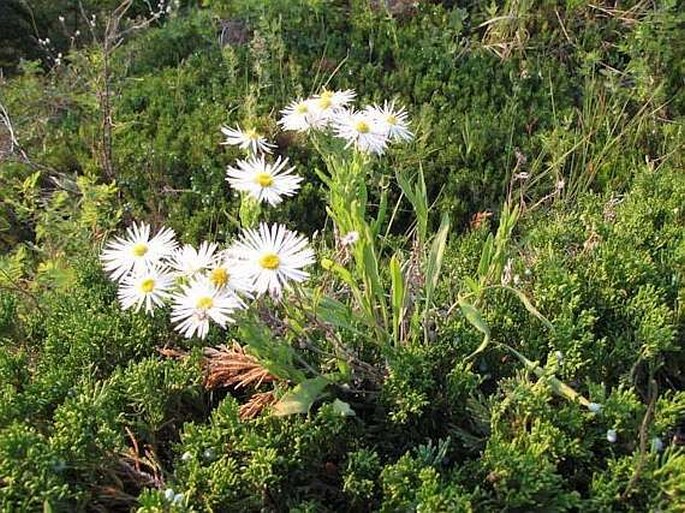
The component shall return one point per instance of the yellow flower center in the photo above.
(204, 303)
(301, 108)
(362, 127)
(219, 277)
(264, 179)
(139, 249)
(270, 261)
(326, 100)
(252, 134)
(392, 120)
(147, 285)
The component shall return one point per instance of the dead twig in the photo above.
(644, 432)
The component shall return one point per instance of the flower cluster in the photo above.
(203, 284)
(208, 284)
(368, 130)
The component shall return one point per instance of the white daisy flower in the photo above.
(188, 261)
(394, 121)
(299, 116)
(149, 287)
(264, 181)
(271, 256)
(226, 272)
(323, 107)
(200, 301)
(362, 130)
(336, 100)
(137, 252)
(247, 140)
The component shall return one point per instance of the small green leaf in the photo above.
(301, 398)
(337, 313)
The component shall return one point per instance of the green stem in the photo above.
(557, 385)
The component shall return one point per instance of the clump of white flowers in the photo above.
(203, 284)
(369, 130)
(208, 284)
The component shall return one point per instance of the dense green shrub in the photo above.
(571, 110)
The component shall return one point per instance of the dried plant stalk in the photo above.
(256, 405)
(172, 353)
(232, 367)
(142, 468)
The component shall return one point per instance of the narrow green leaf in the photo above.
(472, 284)
(334, 312)
(485, 256)
(421, 207)
(435, 257)
(398, 296)
(276, 356)
(323, 176)
(340, 272)
(475, 318)
(371, 275)
(418, 197)
(529, 306)
(382, 212)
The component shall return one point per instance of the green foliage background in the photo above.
(588, 101)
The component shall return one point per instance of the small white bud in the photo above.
(612, 436)
(594, 407)
(350, 239)
(169, 494)
(657, 444)
(187, 456)
(61, 19)
(178, 498)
